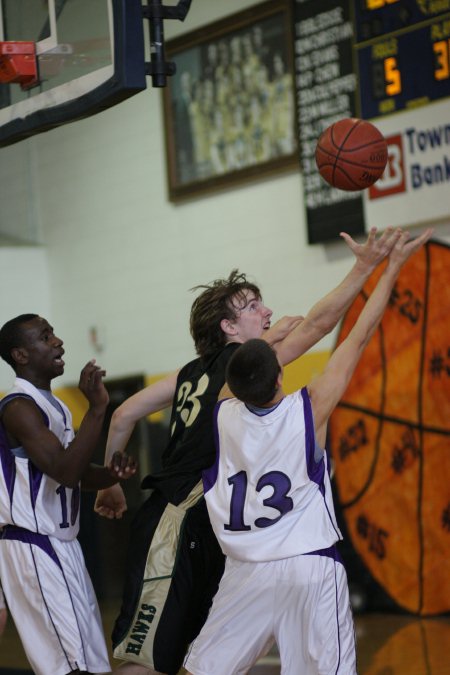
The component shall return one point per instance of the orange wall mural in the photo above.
(390, 438)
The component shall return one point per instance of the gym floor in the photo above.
(387, 644)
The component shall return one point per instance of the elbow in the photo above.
(69, 480)
(121, 419)
(325, 325)
(331, 320)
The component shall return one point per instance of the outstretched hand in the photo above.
(374, 250)
(111, 502)
(404, 248)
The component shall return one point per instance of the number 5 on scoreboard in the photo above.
(387, 79)
(392, 76)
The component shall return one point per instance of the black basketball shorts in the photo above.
(174, 568)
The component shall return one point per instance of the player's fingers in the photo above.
(86, 371)
(115, 512)
(351, 243)
(95, 376)
(399, 245)
(91, 375)
(426, 235)
(390, 237)
(416, 243)
(123, 464)
(386, 234)
(129, 463)
(117, 460)
(372, 235)
(131, 466)
(404, 236)
(95, 370)
(105, 512)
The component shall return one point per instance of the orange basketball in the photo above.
(351, 154)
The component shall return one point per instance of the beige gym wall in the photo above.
(118, 256)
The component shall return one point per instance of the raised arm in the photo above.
(111, 502)
(26, 427)
(328, 388)
(153, 398)
(326, 313)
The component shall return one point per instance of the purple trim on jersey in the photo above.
(330, 552)
(7, 462)
(35, 476)
(19, 394)
(316, 470)
(209, 475)
(7, 458)
(14, 533)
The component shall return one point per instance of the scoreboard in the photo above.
(386, 61)
(402, 54)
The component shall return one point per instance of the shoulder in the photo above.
(21, 411)
(21, 392)
(229, 406)
(212, 364)
(298, 396)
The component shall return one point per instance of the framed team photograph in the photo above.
(229, 110)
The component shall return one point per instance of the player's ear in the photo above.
(20, 355)
(228, 327)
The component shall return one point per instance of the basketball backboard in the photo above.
(90, 56)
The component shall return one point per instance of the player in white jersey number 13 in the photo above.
(269, 500)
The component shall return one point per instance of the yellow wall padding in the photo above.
(296, 374)
(300, 372)
(77, 403)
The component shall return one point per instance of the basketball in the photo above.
(351, 154)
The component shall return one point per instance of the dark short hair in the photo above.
(214, 304)
(252, 372)
(11, 336)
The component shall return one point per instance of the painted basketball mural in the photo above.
(390, 438)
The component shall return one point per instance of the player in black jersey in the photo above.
(175, 563)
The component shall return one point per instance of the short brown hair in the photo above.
(213, 305)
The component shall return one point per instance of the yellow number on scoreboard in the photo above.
(392, 76)
(376, 4)
(442, 52)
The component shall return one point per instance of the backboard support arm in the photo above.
(158, 68)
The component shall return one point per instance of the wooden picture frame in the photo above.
(229, 110)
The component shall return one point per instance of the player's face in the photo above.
(253, 317)
(44, 350)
